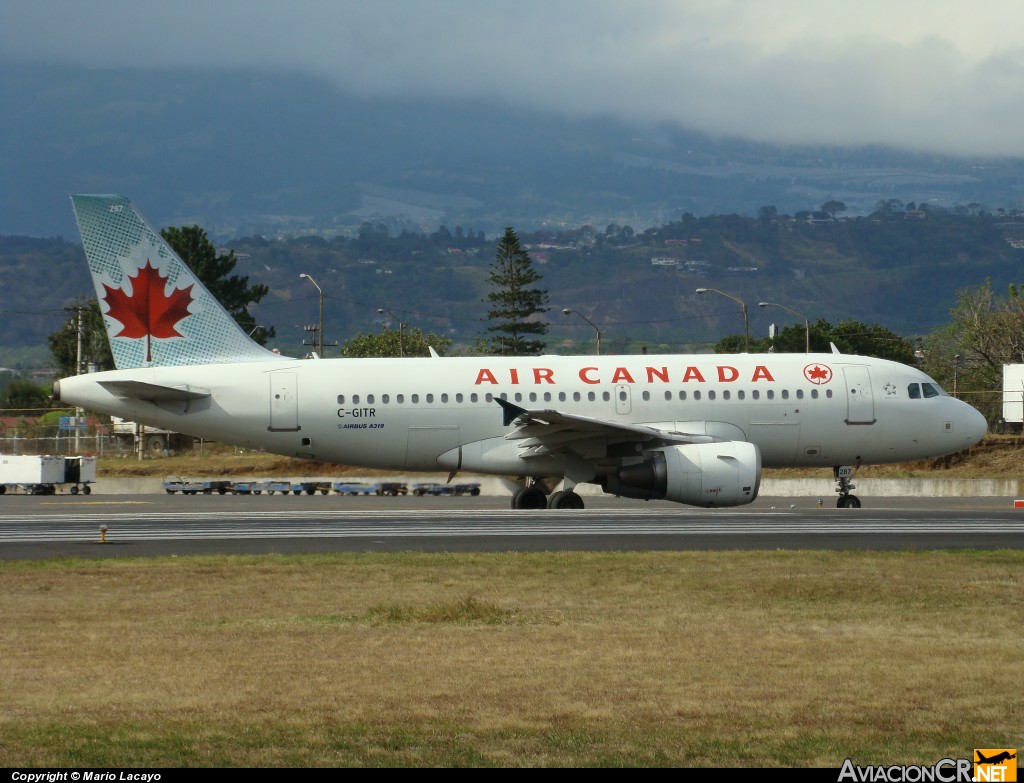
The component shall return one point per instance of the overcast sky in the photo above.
(936, 75)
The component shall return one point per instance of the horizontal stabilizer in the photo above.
(154, 392)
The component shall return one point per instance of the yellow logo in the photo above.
(995, 765)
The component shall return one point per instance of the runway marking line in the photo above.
(98, 503)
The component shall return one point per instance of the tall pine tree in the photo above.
(514, 300)
(213, 270)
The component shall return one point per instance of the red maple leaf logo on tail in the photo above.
(147, 311)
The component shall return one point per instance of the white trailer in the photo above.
(146, 438)
(42, 475)
(1013, 397)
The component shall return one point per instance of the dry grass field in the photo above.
(735, 659)
(656, 659)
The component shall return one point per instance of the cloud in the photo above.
(942, 75)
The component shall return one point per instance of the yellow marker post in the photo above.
(103, 534)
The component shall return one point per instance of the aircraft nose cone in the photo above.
(976, 426)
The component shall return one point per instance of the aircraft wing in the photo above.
(154, 392)
(543, 432)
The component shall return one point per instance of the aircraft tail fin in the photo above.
(155, 310)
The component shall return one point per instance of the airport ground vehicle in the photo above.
(43, 475)
(392, 488)
(186, 487)
(352, 488)
(434, 488)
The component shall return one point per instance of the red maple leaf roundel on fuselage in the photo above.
(147, 311)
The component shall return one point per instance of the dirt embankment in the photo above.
(998, 456)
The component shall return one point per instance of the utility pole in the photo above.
(79, 413)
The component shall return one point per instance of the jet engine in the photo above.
(698, 474)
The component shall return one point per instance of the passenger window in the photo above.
(518, 397)
(799, 394)
(605, 396)
(444, 397)
(646, 396)
(696, 395)
(473, 397)
(929, 390)
(399, 398)
(771, 394)
(785, 394)
(914, 391)
(725, 394)
(828, 393)
(591, 396)
(355, 399)
(668, 395)
(415, 398)
(488, 397)
(341, 399)
(547, 396)
(458, 397)
(741, 395)
(533, 396)
(682, 395)
(561, 396)
(711, 395)
(369, 399)
(430, 398)
(814, 394)
(575, 396)
(755, 394)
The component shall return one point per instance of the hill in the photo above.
(900, 266)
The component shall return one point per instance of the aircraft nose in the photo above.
(976, 426)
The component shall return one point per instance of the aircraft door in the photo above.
(427, 443)
(623, 400)
(284, 402)
(860, 403)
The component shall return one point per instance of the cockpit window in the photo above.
(917, 390)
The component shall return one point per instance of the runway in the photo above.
(148, 525)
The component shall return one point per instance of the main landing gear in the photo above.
(844, 475)
(533, 497)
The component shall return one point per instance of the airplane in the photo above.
(996, 759)
(694, 429)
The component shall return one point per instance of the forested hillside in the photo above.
(900, 267)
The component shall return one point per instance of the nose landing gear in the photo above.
(844, 475)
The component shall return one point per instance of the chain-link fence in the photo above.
(25, 435)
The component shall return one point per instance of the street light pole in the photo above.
(568, 311)
(401, 328)
(807, 324)
(746, 320)
(320, 332)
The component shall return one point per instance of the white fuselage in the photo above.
(439, 413)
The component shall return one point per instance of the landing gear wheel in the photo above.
(848, 501)
(529, 498)
(565, 498)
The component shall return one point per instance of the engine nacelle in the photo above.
(698, 474)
